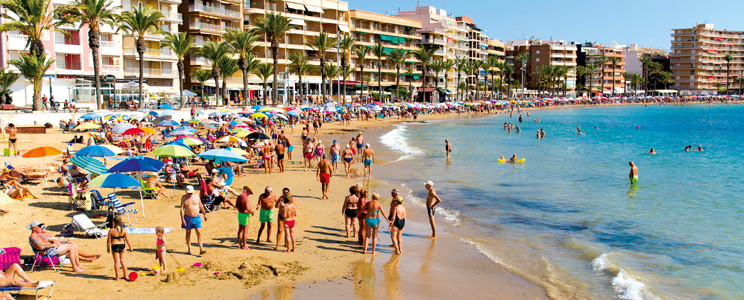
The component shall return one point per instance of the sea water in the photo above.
(568, 218)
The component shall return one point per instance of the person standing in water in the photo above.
(432, 200)
(447, 148)
(633, 173)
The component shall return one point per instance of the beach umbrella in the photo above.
(293, 113)
(114, 180)
(282, 117)
(185, 128)
(237, 150)
(256, 107)
(148, 130)
(235, 122)
(42, 152)
(122, 127)
(194, 121)
(220, 155)
(243, 134)
(168, 113)
(95, 151)
(165, 106)
(168, 123)
(265, 109)
(87, 126)
(179, 132)
(229, 139)
(258, 115)
(111, 118)
(89, 164)
(257, 136)
(153, 113)
(236, 130)
(172, 151)
(91, 116)
(113, 148)
(137, 164)
(190, 141)
(161, 119)
(133, 131)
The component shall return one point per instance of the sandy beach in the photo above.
(325, 259)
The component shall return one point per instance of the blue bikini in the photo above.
(372, 222)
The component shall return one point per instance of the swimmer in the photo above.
(542, 133)
(447, 147)
(513, 159)
(633, 173)
(700, 148)
(652, 151)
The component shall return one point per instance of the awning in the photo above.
(426, 90)
(297, 22)
(416, 76)
(295, 6)
(343, 28)
(314, 9)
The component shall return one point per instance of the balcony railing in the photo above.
(72, 66)
(205, 26)
(111, 68)
(63, 40)
(106, 44)
(440, 52)
(215, 10)
(134, 71)
(200, 61)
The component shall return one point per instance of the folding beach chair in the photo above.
(42, 285)
(76, 200)
(9, 257)
(42, 258)
(123, 209)
(83, 223)
(99, 201)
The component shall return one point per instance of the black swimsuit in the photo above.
(399, 223)
(118, 248)
(351, 212)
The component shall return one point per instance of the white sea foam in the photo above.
(483, 250)
(449, 215)
(624, 284)
(395, 140)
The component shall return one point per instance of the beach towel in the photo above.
(133, 230)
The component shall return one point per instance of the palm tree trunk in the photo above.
(226, 100)
(299, 75)
(379, 77)
(361, 77)
(245, 84)
(265, 95)
(216, 90)
(343, 70)
(446, 80)
(457, 87)
(410, 88)
(94, 43)
(37, 96)
(275, 56)
(322, 79)
(397, 81)
(423, 84)
(202, 91)
(141, 51)
(179, 65)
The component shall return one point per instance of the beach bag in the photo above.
(67, 230)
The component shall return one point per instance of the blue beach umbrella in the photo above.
(220, 155)
(114, 180)
(165, 106)
(256, 107)
(137, 164)
(293, 113)
(185, 128)
(89, 164)
(95, 151)
(91, 116)
(153, 113)
(168, 123)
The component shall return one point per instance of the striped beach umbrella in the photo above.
(121, 127)
(173, 151)
(89, 164)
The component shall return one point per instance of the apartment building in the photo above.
(634, 54)
(441, 31)
(309, 18)
(71, 76)
(160, 72)
(208, 20)
(394, 32)
(697, 59)
(541, 53)
(601, 80)
(496, 48)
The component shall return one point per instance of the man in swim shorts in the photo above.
(191, 206)
(280, 150)
(633, 173)
(369, 159)
(447, 147)
(243, 204)
(360, 145)
(432, 200)
(335, 152)
(266, 214)
(325, 171)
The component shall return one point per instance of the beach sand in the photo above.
(326, 263)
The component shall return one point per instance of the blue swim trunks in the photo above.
(334, 158)
(192, 222)
(367, 162)
(290, 148)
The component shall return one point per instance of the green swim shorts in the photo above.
(244, 219)
(266, 216)
(634, 180)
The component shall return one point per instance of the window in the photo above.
(537, 52)
(537, 59)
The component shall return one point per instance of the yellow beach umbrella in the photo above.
(242, 134)
(229, 139)
(191, 141)
(258, 115)
(113, 148)
(87, 126)
(148, 130)
(237, 150)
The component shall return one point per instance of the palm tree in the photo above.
(449, 65)
(361, 53)
(600, 63)
(477, 65)
(6, 80)
(264, 72)
(423, 55)
(228, 66)
(655, 69)
(581, 71)
(331, 71)
(540, 76)
(33, 68)
(437, 66)
(460, 66)
(397, 57)
(141, 20)
(590, 71)
(666, 79)
(523, 59)
(464, 87)
(213, 52)
(201, 75)
(626, 77)
(274, 27)
(345, 45)
(467, 69)
(614, 61)
(728, 58)
(486, 67)
(645, 62)
(507, 72)
(378, 50)
(300, 64)
(367, 79)
(322, 44)
(495, 64)
(32, 18)
(241, 43)
(345, 72)
(635, 80)
(94, 14)
(564, 71)
(182, 45)
(409, 72)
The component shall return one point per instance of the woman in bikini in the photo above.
(117, 241)
(280, 220)
(348, 157)
(349, 210)
(319, 150)
(290, 213)
(374, 209)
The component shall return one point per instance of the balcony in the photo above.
(149, 72)
(17, 41)
(172, 16)
(200, 61)
(110, 68)
(440, 52)
(221, 11)
(61, 65)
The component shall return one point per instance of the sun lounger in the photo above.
(83, 223)
(42, 285)
(11, 255)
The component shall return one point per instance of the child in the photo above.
(160, 246)
(116, 245)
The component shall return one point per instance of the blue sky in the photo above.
(642, 22)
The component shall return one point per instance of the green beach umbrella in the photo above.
(173, 151)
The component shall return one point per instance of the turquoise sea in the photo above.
(568, 219)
